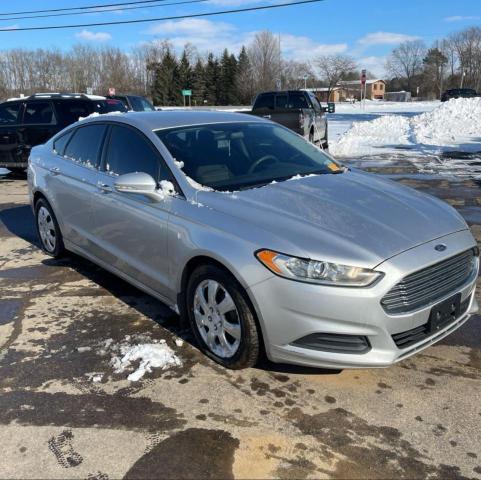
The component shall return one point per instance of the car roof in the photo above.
(175, 118)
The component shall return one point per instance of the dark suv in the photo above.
(458, 93)
(135, 103)
(26, 122)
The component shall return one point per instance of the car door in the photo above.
(39, 125)
(10, 115)
(72, 181)
(130, 230)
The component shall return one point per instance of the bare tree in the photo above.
(333, 68)
(406, 61)
(467, 44)
(265, 60)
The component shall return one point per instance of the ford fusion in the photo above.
(260, 240)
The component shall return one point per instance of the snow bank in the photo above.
(452, 125)
(138, 354)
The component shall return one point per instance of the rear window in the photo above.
(109, 106)
(9, 113)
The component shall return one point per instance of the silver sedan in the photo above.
(259, 239)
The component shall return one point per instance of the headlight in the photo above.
(314, 271)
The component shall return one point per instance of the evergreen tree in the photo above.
(198, 83)
(244, 81)
(212, 80)
(185, 72)
(166, 85)
(227, 87)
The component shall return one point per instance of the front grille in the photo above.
(429, 284)
(418, 334)
(332, 342)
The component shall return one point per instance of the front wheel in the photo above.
(48, 229)
(221, 318)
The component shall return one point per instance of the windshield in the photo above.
(109, 106)
(235, 156)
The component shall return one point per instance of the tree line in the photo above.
(154, 69)
(452, 62)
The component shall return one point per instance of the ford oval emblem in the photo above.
(441, 247)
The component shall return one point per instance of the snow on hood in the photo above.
(452, 125)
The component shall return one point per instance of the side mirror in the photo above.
(140, 183)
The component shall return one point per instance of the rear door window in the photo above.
(70, 111)
(298, 100)
(85, 145)
(9, 113)
(39, 113)
(281, 101)
(61, 142)
(265, 101)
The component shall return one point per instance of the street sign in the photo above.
(186, 93)
(363, 77)
(111, 91)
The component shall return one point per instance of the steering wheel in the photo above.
(265, 158)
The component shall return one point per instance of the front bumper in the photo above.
(291, 310)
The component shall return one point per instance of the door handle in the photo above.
(104, 187)
(55, 171)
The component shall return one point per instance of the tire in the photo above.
(240, 347)
(48, 230)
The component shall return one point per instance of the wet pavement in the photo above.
(418, 419)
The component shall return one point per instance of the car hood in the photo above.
(350, 217)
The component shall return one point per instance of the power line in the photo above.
(84, 7)
(114, 9)
(177, 17)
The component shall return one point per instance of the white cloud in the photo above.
(93, 36)
(373, 64)
(304, 48)
(207, 35)
(461, 18)
(385, 38)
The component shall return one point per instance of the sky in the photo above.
(367, 30)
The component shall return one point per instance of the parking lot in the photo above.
(64, 413)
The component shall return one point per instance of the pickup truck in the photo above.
(298, 110)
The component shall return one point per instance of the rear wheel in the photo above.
(221, 318)
(48, 229)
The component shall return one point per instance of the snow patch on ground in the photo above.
(137, 354)
(454, 125)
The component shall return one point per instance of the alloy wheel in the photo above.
(217, 318)
(46, 228)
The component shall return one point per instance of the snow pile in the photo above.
(97, 114)
(452, 125)
(139, 350)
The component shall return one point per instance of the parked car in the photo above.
(298, 110)
(26, 122)
(458, 93)
(257, 237)
(135, 103)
